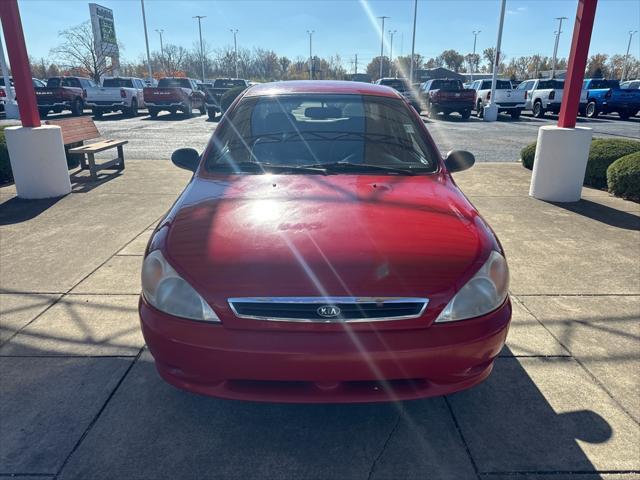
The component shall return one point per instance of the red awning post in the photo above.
(19, 60)
(577, 62)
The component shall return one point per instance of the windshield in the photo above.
(228, 83)
(117, 82)
(602, 83)
(446, 85)
(174, 83)
(396, 83)
(545, 84)
(335, 133)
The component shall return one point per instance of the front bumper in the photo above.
(319, 367)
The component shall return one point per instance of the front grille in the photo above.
(328, 309)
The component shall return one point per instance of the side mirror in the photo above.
(186, 158)
(458, 160)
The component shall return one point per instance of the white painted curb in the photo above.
(560, 163)
(38, 161)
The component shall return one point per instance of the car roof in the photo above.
(321, 86)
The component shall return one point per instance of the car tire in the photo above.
(515, 113)
(153, 112)
(132, 111)
(465, 114)
(43, 112)
(212, 114)
(538, 110)
(77, 107)
(592, 110)
(97, 112)
(479, 109)
(624, 114)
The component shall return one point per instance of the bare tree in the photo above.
(78, 52)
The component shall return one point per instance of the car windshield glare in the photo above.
(333, 133)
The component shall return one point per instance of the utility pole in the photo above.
(413, 41)
(391, 34)
(146, 42)
(310, 32)
(160, 32)
(490, 113)
(235, 48)
(356, 64)
(382, 43)
(626, 57)
(200, 17)
(555, 48)
(475, 38)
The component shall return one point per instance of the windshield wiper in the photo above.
(339, 166)
(240, 167)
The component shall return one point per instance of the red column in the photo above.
(19, 59)
(577, 62)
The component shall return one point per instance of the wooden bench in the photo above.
(75, 131)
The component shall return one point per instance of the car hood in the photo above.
(334, 235)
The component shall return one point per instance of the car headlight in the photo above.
(163, 288)
(485, 292)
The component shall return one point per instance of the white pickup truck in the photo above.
(544, 95)
(507, 98)
(124, 94)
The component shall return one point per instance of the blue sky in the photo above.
(341, 26)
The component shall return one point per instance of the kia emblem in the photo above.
(328, 311)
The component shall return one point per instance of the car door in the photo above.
(528, 89)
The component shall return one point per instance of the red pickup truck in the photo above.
(63, 93)
(174, 94)
(447, 96)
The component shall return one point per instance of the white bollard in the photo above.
(11, 111)
(560, 163)
(38, 161)
(490, 113)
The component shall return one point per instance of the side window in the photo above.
(523, 86)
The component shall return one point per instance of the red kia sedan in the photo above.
(323, 253)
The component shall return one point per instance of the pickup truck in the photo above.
(544, 95)
(402, 85)
(508, 100)
(117, 94)
(214, 93)
(64, 93)
(446, 96)
(606, 96)
(4, 94)
(174, 94)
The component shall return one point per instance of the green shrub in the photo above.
(603, 153)
(5, 167)
(623, 177)
(229, 96)
(527, 155)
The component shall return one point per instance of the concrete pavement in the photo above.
(80, 398)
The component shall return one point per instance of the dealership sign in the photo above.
(104, 33)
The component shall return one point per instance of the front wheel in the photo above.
(132, 111)
(465, 114)
(515, 113)
(624, 114)
(479, 109)
(592, 110)
(97, 112)
(212, 114)
(77, 107)
(153, 112)
(538, 110)
(43, 112)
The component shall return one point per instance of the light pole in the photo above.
(200, 17)
(555, 48)
(626, 57)
(413, 41)
(310, 32)
(475, 38)
(160, 32)
(391, 34)
(382, 43)
(146, 42)
(490, 113)
(235, 48)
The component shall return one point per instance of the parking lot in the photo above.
(156, 139)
